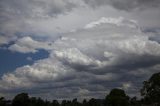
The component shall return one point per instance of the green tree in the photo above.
(134, 101)
(117, 97)
(84, 103)
(2, 101)
(33, 101)
(21, 100)
(75, 102)
(151, 89)
(55, 103)
(40, 102)
(93, 102)
(64, 103)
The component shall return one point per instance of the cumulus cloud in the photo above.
(111, 41)
(28, 76)
(27, 44)
(3, 40)
(73, 55)
(105, 54)
(89, 55)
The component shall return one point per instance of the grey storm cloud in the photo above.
(55, 17)
(24, 16)
(107, 53)
(34, 8)
(125, 4)
(85, 60)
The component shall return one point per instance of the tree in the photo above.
(117, 97)
(2, 101)
(40, 102)
(134, 101)
(21, 100)
(151, 89)
(75, 102)
(93, 102)
(33, 101)
(84, 102)
(64, 102)
(55, 103)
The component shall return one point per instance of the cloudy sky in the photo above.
(64, 49)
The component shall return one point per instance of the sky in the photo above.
(65, 49)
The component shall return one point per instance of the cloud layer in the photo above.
(126, 5)
(52, 18)
(107, 53)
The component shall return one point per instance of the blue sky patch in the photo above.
(9, 60)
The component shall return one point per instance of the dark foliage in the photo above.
(151, 90)
(21, 100)
(117, 97)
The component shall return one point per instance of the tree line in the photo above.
(150, 93)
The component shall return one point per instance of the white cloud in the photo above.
(119, 22)
(106, 44)
(87, 49)
(51, 18)
(6, 39)
(27, 44)
(94, 59)
(3, 40)
(126, 85)
(30, 76)
(74, 56)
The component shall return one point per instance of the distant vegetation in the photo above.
(117, 97)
